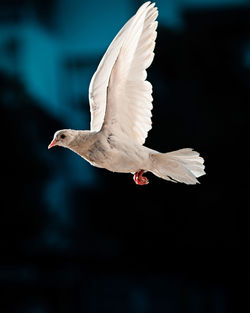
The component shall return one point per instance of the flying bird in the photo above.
(120, 100)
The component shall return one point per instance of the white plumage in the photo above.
(120, 78)
(120, 103)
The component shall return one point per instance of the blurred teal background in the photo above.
(75, 238)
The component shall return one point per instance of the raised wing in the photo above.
(99, 82)
(129, 100)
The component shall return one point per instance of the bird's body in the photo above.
(109, 151)
(121, 103)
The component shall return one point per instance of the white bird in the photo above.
(120, 104)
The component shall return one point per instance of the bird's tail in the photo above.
(178, 166)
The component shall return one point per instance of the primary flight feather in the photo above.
(120, 100)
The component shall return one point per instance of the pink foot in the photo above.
(139, 179)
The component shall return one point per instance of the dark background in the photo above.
(75, 238)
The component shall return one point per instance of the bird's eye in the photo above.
(62, 136)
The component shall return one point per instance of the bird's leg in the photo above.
(139, 179)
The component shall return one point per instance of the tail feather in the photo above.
(183, 166)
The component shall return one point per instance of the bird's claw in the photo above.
(139, 179)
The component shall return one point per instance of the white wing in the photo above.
(124, 102)
(99, 82)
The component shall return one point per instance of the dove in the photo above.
(120, 100)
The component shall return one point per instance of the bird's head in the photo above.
(63, 138)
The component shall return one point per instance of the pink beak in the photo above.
(52, 144)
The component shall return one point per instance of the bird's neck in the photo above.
(82, 141)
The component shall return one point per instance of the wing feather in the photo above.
(129, 101)
(99, 82)
(120, 96)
